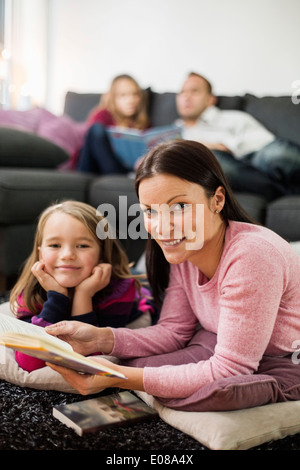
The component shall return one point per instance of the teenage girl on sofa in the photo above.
(73, 274)
(124, 105)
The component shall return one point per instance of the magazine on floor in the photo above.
(102, 412)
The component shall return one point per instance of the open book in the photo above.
(102, 412)
(131, 144)
(35, 341)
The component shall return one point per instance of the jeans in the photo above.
(97, 156)
(272, 171)
(281, 160)
(243, 177)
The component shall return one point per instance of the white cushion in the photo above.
(233, 430)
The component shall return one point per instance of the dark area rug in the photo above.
(26, 423)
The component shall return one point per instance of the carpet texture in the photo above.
(26, 423)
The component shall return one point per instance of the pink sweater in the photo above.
(252, 303)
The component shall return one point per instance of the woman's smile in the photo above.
(171, 243)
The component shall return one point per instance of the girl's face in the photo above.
(68, 250)
(179, 216)
(127, 98)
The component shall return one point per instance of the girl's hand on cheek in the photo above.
(45, 279)
(85, 291)
(99, 278)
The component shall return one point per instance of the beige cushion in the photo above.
(233, 430)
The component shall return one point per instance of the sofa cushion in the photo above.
(283, 216)
(25, 193)
(13, 253)
(162, 108)
(230, 102)
(278, 113)
(79, 105)
(254, 205)
(109, 188)
(24, 149)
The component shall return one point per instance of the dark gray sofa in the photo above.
(30, 180)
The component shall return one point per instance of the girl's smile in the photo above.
(68, 268)
(68, 250)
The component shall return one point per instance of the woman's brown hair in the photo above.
(192, 162)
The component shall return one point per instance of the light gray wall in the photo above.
(241, 46)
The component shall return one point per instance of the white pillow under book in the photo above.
(41, 379)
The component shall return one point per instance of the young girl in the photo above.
(73, 274)
(124, 106)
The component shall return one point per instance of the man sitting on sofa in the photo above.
(242, 145)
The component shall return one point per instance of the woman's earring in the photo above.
(217, 212)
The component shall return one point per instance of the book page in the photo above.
(42, 349)
(34, 341)
(10, 324)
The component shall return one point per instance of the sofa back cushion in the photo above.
(162, 108)
(278, 114)
(79, 105)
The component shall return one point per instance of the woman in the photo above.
(239, 280)
(124, 105)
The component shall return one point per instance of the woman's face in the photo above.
(179, 216)
(68, 250)
(127, 97)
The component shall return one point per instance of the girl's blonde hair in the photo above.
(110, 252)
(107, 101)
